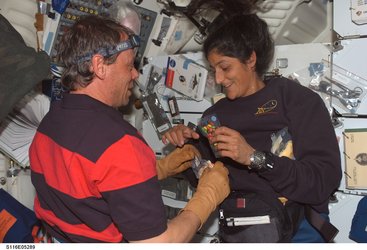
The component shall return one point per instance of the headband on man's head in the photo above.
(131, 43)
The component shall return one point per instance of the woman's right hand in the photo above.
(230, 143)
(178, 135)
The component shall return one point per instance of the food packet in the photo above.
(207, 125)
(199, 165)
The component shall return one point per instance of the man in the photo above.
(95, 176)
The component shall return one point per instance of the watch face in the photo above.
(257, 159)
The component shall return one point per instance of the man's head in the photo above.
(99, 50)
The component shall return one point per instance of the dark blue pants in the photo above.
(307, 233)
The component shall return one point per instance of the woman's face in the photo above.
(237, 79)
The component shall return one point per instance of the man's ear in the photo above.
(252, 60)
(98, 66)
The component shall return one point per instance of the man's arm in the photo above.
(212, 189)
(180, 229)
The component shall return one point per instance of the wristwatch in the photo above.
(261, 161)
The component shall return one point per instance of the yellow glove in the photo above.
(177, 161)
(212, 189)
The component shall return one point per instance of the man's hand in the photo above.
(177, 161)
(178, 135)
(212, 189)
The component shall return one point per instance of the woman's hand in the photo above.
(232, 144)
(178, 135)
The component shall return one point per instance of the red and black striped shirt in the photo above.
(94, 175)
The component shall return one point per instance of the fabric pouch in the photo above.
(18, 223)
(358, 230)
(255, 218)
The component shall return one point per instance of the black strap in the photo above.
(327, 230)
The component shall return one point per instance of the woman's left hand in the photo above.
(232, 144)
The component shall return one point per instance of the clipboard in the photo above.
(355, 152)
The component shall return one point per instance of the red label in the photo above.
(169, 79)
(241, 203)
(6, 222)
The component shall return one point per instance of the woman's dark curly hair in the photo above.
(225, 7)
(237, 31)
(239, 36)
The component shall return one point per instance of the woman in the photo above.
(239, 52)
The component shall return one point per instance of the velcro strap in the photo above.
(327, 230)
